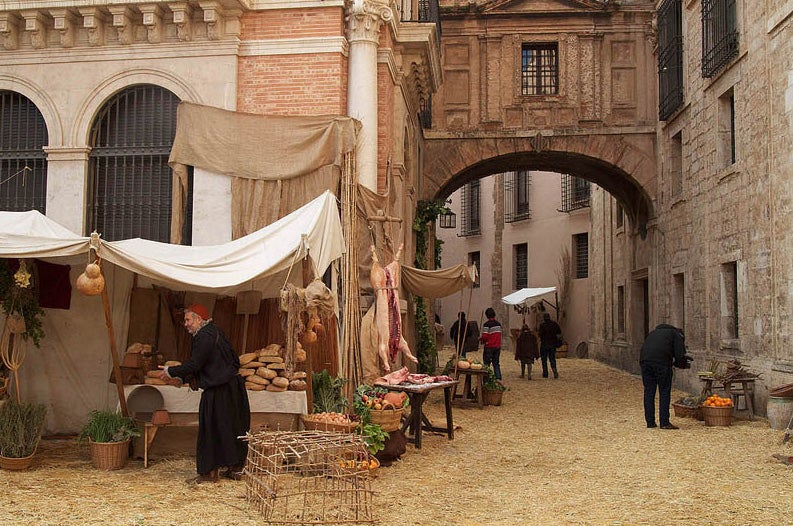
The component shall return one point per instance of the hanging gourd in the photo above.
(91, 282)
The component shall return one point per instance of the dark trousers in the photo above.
(492, 356)
(547, 354)
(657, 377)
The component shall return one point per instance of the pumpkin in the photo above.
(92, 270)
(463, 364)
(90, 286)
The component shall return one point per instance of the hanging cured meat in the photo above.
(385, 282)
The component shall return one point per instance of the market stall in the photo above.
(69, 371)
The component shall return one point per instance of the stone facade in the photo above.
(719, 248)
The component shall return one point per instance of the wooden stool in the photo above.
(478, 375)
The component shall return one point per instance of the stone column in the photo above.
(364, 19)
(66, 186)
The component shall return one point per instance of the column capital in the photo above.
(364, 18)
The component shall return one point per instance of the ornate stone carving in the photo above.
(123, 22)
(152, 19)
(94, 23)
(212, 19)
(9, 30)
(182, 18)
(34, 24)
(651, 33)
(64, 22)
(539, 142)
(364, 19)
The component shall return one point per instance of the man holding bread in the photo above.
(223, 413)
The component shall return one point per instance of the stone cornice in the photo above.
(294, 46)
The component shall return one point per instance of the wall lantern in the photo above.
(448, 219)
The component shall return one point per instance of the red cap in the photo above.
(199, 310)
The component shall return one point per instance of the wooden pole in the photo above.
(307, 277)
(114, 352)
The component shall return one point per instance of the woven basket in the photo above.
(16, 464)
(314, 425)
(717, 416)
(687, 411)
(388, 419)
(109, 455)
(492, 396)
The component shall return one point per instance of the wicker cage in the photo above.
(109, 455)
(687, 411)
(717, 416)
(388, 419)
(309, 477)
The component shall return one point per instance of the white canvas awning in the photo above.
(257, 261)
(524, 296)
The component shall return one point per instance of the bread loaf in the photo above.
(256, 379)
(255, 387)
(280, 382)
(247, 357)
(264, 372)
(155, 381)
(270, 359)
(253, 365)
(276, 366)
(274, 349)
(297, 385)
(275, 388)
(153, 374)
(172, 363)
(246, 372)
(298, 375)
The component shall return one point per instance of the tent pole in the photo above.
(113, 352)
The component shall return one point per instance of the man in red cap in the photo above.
(224, 412)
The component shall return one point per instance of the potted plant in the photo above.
(21, 424)
(109, 434)
(493, 389)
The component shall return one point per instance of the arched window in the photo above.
(129, 177)
(23, 163)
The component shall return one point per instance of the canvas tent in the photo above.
(70, 371)
(525, 298)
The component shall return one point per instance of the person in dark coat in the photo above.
(526, 350)
(663, 348)
(550, 338)
(468, 334)
(224, 412)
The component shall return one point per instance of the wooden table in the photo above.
(478, 376)
(747, 389)
(417, 421)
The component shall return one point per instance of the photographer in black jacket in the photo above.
(663, 348)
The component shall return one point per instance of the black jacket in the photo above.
(212, 362)
(665, 345)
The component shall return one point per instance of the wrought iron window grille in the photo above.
(575, 193)
(521, 266)
(470, 224)
(516, 196)
(540, 69)
(719, 35)
(23, 162)
(670, 58)
(581, 247)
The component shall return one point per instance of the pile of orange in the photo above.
(717, 401)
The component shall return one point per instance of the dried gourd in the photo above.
(92, 270)
(300, 355)
(91, 285)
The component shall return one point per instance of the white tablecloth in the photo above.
(184, 400)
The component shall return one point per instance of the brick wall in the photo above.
(292, 23)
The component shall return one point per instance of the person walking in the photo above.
(224, 412)
(550, 339)
(526, 350)
(491, 338)
(663, 348)
(464, 335)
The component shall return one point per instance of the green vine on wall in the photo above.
(426, 213)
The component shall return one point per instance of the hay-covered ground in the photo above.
(573, 451)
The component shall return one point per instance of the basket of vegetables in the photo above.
(688, 407)
(380, 406)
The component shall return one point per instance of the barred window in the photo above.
(575, 193)
(581, 247)
(620, 215)
(129, 177)
(719, 35)
(521, 266)
(670, 58)
(540, 69)
(470, 224)
(23, 162)
(516, 196)
(621, 310)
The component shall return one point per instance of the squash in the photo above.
(463, 364)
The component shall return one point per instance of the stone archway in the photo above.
(623, 165)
